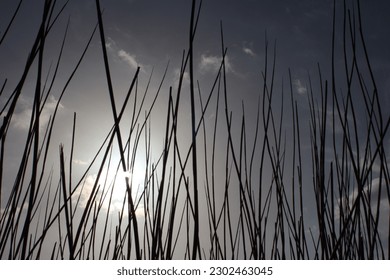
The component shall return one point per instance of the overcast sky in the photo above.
(151, 33)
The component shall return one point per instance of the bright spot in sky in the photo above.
(113, 184)
(118, 183)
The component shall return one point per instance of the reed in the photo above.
(238, 189)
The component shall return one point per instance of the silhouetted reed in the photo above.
(221, 194)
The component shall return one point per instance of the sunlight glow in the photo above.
(113, 184)
(118, 182)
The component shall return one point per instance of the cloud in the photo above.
(176, 78)
(110, 44)
(129, 59)
(247, 48)
(124, 56)
(248, 51)
(84, 191)
(21, 119)
(300, 88)
(210, 63)
(371, 191)
(18, 209)
(366, 163)
(80, 162)
(105, 185)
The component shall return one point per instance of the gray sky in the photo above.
(152, 33)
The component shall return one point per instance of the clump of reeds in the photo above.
(194, 203)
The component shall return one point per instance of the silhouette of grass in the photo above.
(254, 196)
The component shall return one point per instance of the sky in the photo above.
(153, 34)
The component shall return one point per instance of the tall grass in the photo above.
(228, 193)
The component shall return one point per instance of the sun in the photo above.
(117, 183)
(112, 193)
